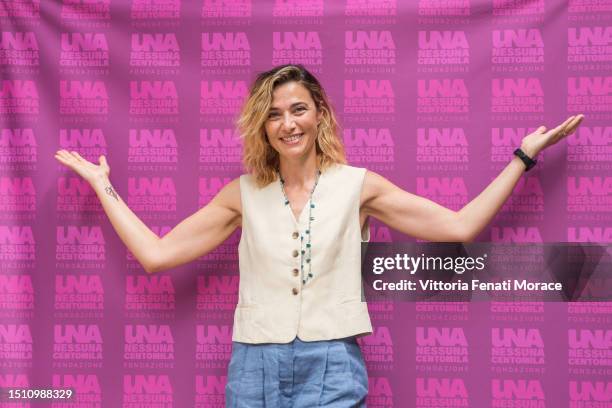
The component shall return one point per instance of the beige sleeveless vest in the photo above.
(274, 306)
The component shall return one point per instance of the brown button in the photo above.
(295, 235)
(295, 253)
(294, 291)
(295, 271)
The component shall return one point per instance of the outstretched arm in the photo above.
(203, 231)
(193, 237)
(424, 219)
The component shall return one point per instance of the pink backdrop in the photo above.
(435, 95)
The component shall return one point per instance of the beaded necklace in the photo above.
(308, 231)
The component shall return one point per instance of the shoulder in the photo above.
(249, 184)
(229, 195)
(373, 186)
(340, 169)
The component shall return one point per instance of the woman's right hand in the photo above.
(86, 169)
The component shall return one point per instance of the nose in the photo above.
(288, 122)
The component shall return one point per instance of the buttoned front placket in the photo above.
(297, 236)
(301, 253)
(296, 270)
(296, 264)
(297, 254)
(298, 249)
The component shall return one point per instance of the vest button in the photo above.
(295, 271)
(295, 253)
(295, 235)
(294, 291)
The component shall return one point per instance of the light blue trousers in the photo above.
(300, 374)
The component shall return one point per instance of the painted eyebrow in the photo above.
(292, 105)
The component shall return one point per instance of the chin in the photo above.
(295, 152)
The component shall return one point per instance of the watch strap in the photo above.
(529, 162)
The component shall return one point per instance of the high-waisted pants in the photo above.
(299, 374)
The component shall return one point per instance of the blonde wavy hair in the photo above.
(259, 158)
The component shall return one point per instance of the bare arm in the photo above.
(477, 214)
(408, 213)
(136, 236)
(193, 237)
(203, 231)
(425, 219)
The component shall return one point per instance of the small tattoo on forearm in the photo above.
(109, 190)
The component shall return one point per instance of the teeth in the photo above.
(291, 139)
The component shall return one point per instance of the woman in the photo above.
(303, 213)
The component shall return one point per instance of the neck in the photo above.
(300, 172)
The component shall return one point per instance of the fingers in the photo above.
(77, 155)
(65, 158)
(567, 127)
(69, 155)
(64, 155)
(565, 123)
(571, 127)
(71, 159)
(60, 157)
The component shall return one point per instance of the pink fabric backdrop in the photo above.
(435, 95)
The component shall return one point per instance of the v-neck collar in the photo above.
(299, 221)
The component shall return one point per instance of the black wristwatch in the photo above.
(529, 162)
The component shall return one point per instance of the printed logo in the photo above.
(143, 391)
(213, 345)
(225, 50)
(83, 98)
(16, 341)
(210, 391)
(443, 51)
(370, 96)
(377, 349)
(372, 147)
(86, 389)
(442, 347)
(302, 47)
(441, 392)
(18, 149)
(19, 97)
(77, 345)
(19, 49)
(380, 392)
(514, 48)
(148, 346)
(519, 392)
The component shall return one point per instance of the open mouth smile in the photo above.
(292, 139)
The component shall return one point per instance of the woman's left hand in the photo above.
(537, 141)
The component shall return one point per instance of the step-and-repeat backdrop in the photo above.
(435, 95)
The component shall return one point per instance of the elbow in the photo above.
(462, 231)
(153, 262)
(153, 267)
(467, 238)
(149, 268)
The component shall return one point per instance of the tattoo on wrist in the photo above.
(109, 190)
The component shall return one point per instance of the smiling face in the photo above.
(291, 126)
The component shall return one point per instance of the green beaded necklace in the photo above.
(308, 231)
